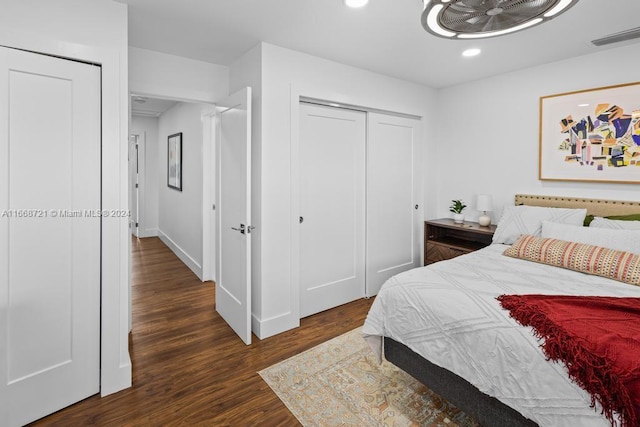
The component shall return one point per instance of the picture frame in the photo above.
(591, 135)
(174, 161)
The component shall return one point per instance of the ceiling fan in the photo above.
(473, 19)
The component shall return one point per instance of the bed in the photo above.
(443, 325)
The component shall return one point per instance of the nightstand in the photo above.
(444, 239)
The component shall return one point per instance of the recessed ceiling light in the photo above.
(583, 105)
(356, 3)
(471, 52)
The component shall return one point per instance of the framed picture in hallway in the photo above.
(174, 167)
(591, 135)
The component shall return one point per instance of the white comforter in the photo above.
(447, 312)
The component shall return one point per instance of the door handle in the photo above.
(241, 229)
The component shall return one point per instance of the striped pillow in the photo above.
(590, 259)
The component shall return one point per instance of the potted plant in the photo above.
(457, 206)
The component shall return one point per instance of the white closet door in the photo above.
(393, 198)
(49, 234)
(332, 205)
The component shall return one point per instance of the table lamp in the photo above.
(484, 204)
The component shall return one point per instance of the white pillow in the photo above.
(619, 240)
(518, 220)
(613, 224)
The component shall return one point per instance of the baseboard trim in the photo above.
(274, 325)
(180, 253)
(153, 232)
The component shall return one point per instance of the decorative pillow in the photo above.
(518, 220)
(617, 265)
(613, 224)
(630, 217)
(620, 240)
(588, 219)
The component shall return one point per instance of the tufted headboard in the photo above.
(596, 207)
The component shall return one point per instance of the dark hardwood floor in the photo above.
(189, 367)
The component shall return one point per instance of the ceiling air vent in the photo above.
(633, 33)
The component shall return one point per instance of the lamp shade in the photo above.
(484, 203)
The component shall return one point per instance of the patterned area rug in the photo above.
(340, 383)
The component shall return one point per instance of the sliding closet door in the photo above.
(394, 208)
(332, 207)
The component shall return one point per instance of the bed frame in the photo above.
(596, 207)
(487, 410)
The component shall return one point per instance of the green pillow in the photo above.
(630, 217)
(588, 219)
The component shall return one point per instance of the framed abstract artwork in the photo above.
(174, 164)
(591, 135)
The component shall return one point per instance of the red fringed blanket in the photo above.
(598, 340)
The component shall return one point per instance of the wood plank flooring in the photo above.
(189, 368)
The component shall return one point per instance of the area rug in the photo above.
(340, 383)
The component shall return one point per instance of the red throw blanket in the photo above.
(598, 340)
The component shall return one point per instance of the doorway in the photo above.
(172, 213)
(189, 222)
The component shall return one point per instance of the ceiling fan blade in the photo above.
(492, 4)
(489, 24)
(466, 7)
(498, 22)
(476, 19)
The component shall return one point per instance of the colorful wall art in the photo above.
(591, 135)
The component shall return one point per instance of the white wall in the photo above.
(174, 77)
(286, 75)
(93, 31)
(488, 131)
(147, 128)
(180, 212)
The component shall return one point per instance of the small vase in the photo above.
(458, 218)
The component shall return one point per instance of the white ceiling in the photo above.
(151, 107)
(385, 37)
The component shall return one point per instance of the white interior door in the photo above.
(134, 183)
(233, 141)
(332, 207)
(49, 234)
(393, 198)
